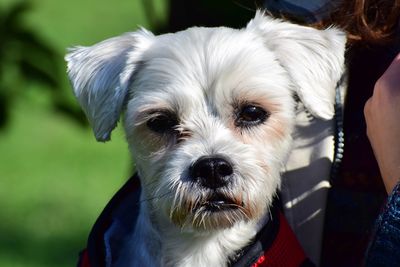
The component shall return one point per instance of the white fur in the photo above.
(202, 75)
(313, 58)
(99, 75)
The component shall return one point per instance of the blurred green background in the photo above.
(54, 177)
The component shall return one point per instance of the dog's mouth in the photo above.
(218, 202)
(213, 210)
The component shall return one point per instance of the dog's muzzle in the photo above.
(213, 172)
(210, 200)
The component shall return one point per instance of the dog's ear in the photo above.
(313, 58)
(100, 76)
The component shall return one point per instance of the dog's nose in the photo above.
(211, 171)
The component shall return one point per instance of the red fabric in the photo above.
(285, 250)
(84, 259)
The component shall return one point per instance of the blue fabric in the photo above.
(114, 223)
(384, 249)
(122, 224)
(304, 10)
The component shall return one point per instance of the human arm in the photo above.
(382, 115)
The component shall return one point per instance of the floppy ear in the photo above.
(313, 58)
(100, 76)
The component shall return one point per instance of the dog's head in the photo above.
(209, 111)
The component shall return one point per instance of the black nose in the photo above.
(211, 171)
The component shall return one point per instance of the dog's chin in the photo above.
(214, 212)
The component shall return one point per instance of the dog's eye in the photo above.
(251, 115)
(162, 123)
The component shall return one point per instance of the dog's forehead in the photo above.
(199, 62)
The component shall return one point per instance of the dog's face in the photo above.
(209, 111)
(209, 125)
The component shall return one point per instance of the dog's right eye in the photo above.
(163, 123)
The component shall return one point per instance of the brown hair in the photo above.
(365, 21)
(369, 21)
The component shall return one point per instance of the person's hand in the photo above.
(382, 115)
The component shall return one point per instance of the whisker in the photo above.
(242, 211)
(203, 221)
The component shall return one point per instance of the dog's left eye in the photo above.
(163, 123)
(251, 115)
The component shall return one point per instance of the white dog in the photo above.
(209, 114)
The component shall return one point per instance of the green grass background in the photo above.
(54, 177)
